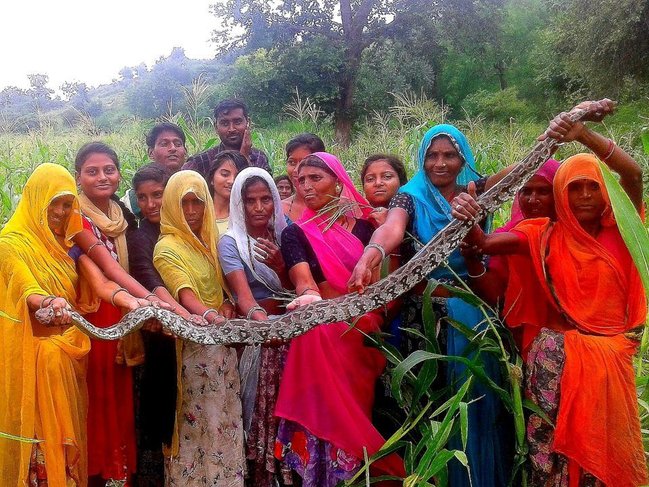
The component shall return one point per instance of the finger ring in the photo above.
(457, 207)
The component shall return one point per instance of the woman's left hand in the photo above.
(227, 310)
(270, 254)
(464, 206)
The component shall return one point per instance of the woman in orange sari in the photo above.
(43, 393)
(580, 369)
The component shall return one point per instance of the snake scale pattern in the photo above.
(344, 308)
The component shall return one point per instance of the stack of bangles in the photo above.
(51, 297)
(208, 311)
(254, 309)
(379, 247)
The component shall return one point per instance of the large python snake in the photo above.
(343, 308)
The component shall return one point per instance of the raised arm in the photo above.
(561, 128)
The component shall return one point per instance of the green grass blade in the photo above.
(5, 315)
(633, 232)
(19, 438)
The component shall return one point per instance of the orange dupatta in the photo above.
(594, 283)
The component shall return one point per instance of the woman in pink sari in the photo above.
(327, 390)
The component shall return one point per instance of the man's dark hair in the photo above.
(158, 128)
(312, 141)
(226, 106)
(151, 172)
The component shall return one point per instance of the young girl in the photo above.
(111, 429)
(225, 168)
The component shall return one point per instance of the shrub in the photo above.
(500, 106)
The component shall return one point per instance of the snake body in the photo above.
(343, 308)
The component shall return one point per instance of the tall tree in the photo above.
(350, 27)
(606, 47)
(40, 93)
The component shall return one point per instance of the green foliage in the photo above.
(606, 49)
(500, 105)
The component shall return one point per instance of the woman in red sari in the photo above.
(580, 369)
(327, 389)
(111, 428)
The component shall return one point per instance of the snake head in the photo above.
(44, 315)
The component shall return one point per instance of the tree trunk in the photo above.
(353, 24)
(344, 115)
(500, 67)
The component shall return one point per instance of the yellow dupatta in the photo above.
(114, 225)
(186, 262)
(54, 407)
(183, 260)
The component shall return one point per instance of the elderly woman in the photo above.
(255, 272)
(327, 388)
(207, 445)
(422, 208)
(580, 369)
(44, 393)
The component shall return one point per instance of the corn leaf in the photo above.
(5, 315)
(464, 423)
(18, 438)
(634, 234)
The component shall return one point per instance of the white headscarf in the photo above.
(237, 227)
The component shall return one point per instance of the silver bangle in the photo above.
(253, 309)
(208, 311)
(379, 247)
(112, 297)
(484, 271)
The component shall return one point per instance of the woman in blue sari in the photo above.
(422, 208)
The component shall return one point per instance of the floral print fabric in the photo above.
(210, 426)
(318, 462)
(263, 468)
(543, 381)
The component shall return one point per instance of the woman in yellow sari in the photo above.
(42, 385)
(207, 448)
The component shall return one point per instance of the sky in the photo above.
(90, 41)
